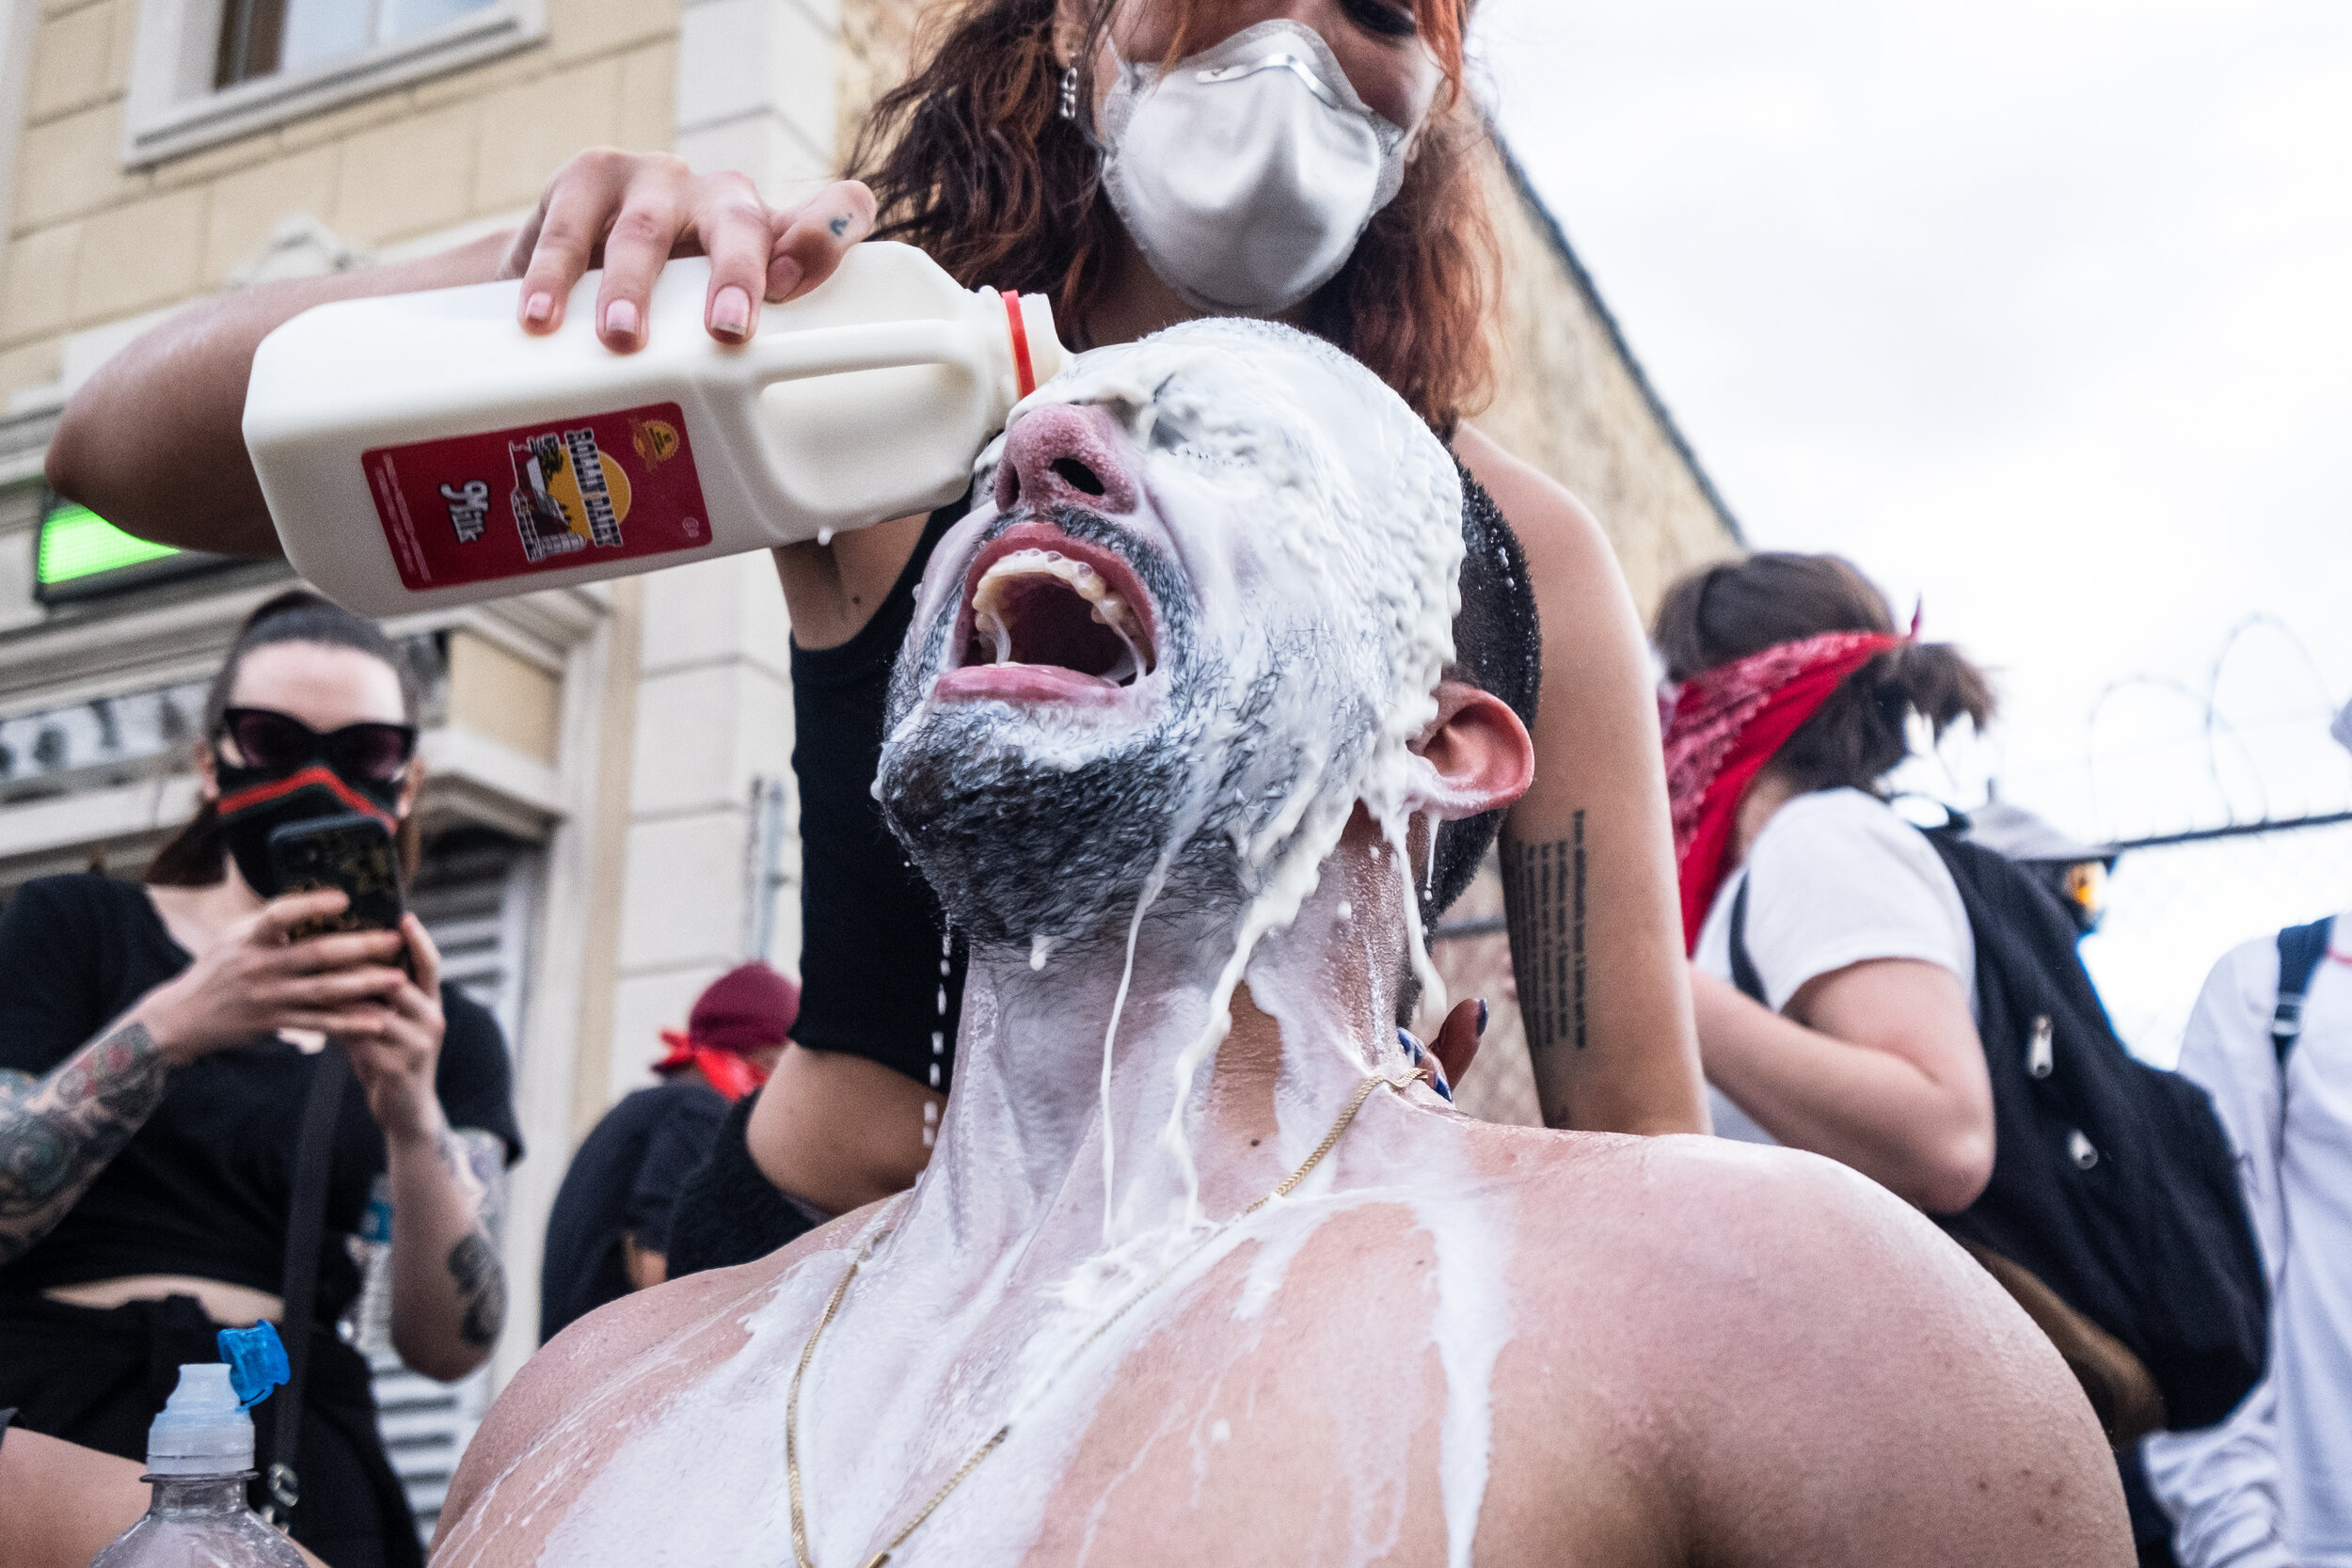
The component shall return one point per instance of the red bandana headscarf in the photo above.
(1726, 725)
(742, 1010)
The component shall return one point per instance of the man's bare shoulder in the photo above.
(1811, 1355)
(607, 1345)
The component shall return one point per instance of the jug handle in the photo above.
(780, 356)
(840, 350)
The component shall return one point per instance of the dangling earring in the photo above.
(1070, 93)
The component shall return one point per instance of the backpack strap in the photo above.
(2300, 948)
(1744, 973)
(306, 1228)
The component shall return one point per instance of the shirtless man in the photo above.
(1175, 721)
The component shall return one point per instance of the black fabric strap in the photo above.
(2300, 948)
(1743, 972)
(306, 1228)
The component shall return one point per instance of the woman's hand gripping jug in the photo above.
(423, 449)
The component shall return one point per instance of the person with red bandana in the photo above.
(607, 1234)
(1792, 699)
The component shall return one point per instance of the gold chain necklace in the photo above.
(1288, 1185)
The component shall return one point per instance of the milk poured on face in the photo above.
(1295, 533)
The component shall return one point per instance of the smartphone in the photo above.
(352, 851)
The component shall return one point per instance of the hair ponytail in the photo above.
(1733, 609)
(1939, 682)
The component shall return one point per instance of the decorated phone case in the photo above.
(352, 851)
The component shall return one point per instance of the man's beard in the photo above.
(1019, 846)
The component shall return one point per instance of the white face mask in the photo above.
(1246, 173)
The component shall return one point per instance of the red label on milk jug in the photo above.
(539, 498)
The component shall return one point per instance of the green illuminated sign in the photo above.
(82, 556)
(77, 542)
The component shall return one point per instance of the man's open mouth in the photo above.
(1047, 617)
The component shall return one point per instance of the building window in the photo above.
(208, 70)
(262, 37)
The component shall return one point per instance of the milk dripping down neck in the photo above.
(1317, 528)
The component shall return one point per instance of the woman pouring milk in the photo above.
(1141, 162)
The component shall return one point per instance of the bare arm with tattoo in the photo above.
(449, 1289)
(1588, 851)
(58, 1131)
(449, 1187)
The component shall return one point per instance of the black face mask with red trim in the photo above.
(256, 800)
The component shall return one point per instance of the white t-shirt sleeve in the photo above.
(1837, 878)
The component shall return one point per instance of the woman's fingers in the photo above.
(652, 219)
(340, 985)
(631, 213)
(280, 916)
(735, 227)
(423, 956)
(338, 950)
(561, 239)
(815, 237)
(339, 1024)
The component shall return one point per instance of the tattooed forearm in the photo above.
(1543, 887)
(478, 1160)
(57, 1132)
(473, 1263)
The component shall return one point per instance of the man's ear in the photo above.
(1477, 751)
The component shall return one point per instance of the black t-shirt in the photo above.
(204, 1186)
(624, 1180)
(879, 977)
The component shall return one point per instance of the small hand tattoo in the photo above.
(839, 227)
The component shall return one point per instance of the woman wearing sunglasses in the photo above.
(158, 1048)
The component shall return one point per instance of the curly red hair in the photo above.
(970, 159)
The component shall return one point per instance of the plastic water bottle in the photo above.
(200, 1453)
(423, 449)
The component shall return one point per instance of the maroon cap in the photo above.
(745, 1009)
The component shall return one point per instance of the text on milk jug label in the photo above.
(539, 497)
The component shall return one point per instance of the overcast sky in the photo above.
(2041, 307)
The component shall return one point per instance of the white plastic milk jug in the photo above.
(423, 449)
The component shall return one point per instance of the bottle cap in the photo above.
(257, 1361)
(203, 1428)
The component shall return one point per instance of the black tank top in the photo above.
(881, 975)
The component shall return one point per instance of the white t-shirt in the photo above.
(1839, 880)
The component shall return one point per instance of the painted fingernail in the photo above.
(1481, 1018)
(731, 312)
(620, 318)
(539, 309)
(783, 275)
